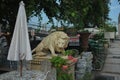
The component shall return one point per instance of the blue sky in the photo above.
(113, 14)
(114, 10)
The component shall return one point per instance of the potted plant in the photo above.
(84, 36)
(63, 66)
(98, 44)
(109, 32)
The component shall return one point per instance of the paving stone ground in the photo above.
(112, 63)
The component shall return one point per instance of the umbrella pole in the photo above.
(21, 66)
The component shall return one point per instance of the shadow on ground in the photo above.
(1, 72)
(103, 77)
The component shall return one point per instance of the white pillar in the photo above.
(119, 28)
(119, 25)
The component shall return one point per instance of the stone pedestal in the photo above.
(43, 64)
(84, 65)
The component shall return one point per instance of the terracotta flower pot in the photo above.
(84, 40)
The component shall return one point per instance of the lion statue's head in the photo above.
(61, 42)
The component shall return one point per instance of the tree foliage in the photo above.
(80, 13)
(118, 0)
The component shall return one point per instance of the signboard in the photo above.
(74, 41)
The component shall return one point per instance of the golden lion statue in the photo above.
(55, 42)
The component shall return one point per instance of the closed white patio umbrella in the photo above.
(20, 45)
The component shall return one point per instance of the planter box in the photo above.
(109, 35)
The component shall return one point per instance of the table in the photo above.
(27, 75)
